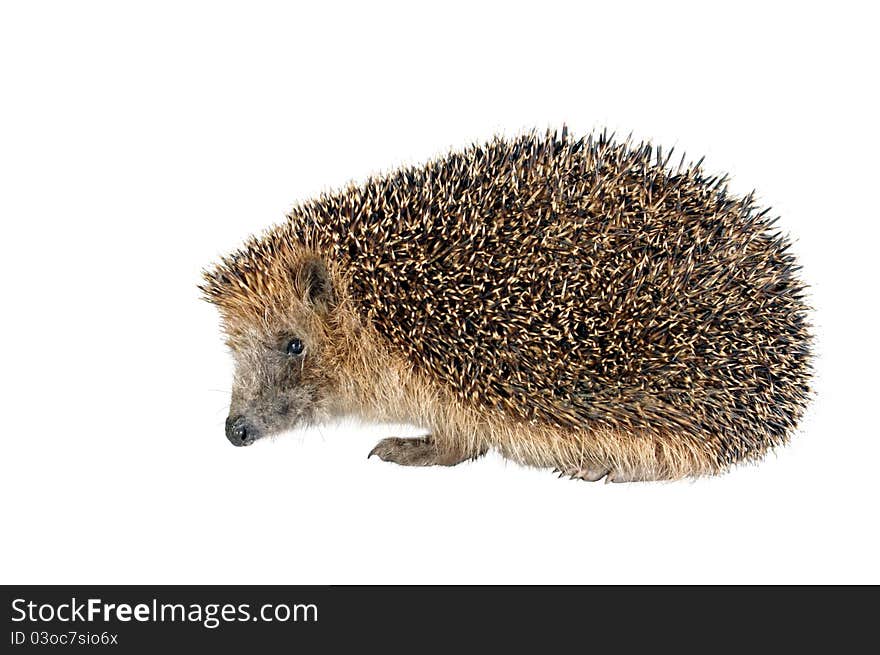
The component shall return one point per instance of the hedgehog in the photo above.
(583, 305)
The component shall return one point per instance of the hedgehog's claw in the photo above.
(586, 473)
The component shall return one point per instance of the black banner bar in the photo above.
(331, 619)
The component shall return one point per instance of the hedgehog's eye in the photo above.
(295, 347)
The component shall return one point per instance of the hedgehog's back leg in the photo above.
(424, 451)
(626, 457)
(612, 455)
(594, 473)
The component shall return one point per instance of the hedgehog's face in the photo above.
(279, 383)
(283, 356)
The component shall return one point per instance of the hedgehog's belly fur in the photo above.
(463, 431)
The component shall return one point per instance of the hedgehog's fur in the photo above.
(577, 304)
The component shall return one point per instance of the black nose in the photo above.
(239, 432)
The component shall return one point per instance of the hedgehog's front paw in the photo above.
(417, 452)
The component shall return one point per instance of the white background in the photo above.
(140, 141)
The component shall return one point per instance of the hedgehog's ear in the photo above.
(317, 284)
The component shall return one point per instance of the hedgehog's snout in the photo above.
(239, 431)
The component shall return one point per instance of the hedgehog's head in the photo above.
(278, 314)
